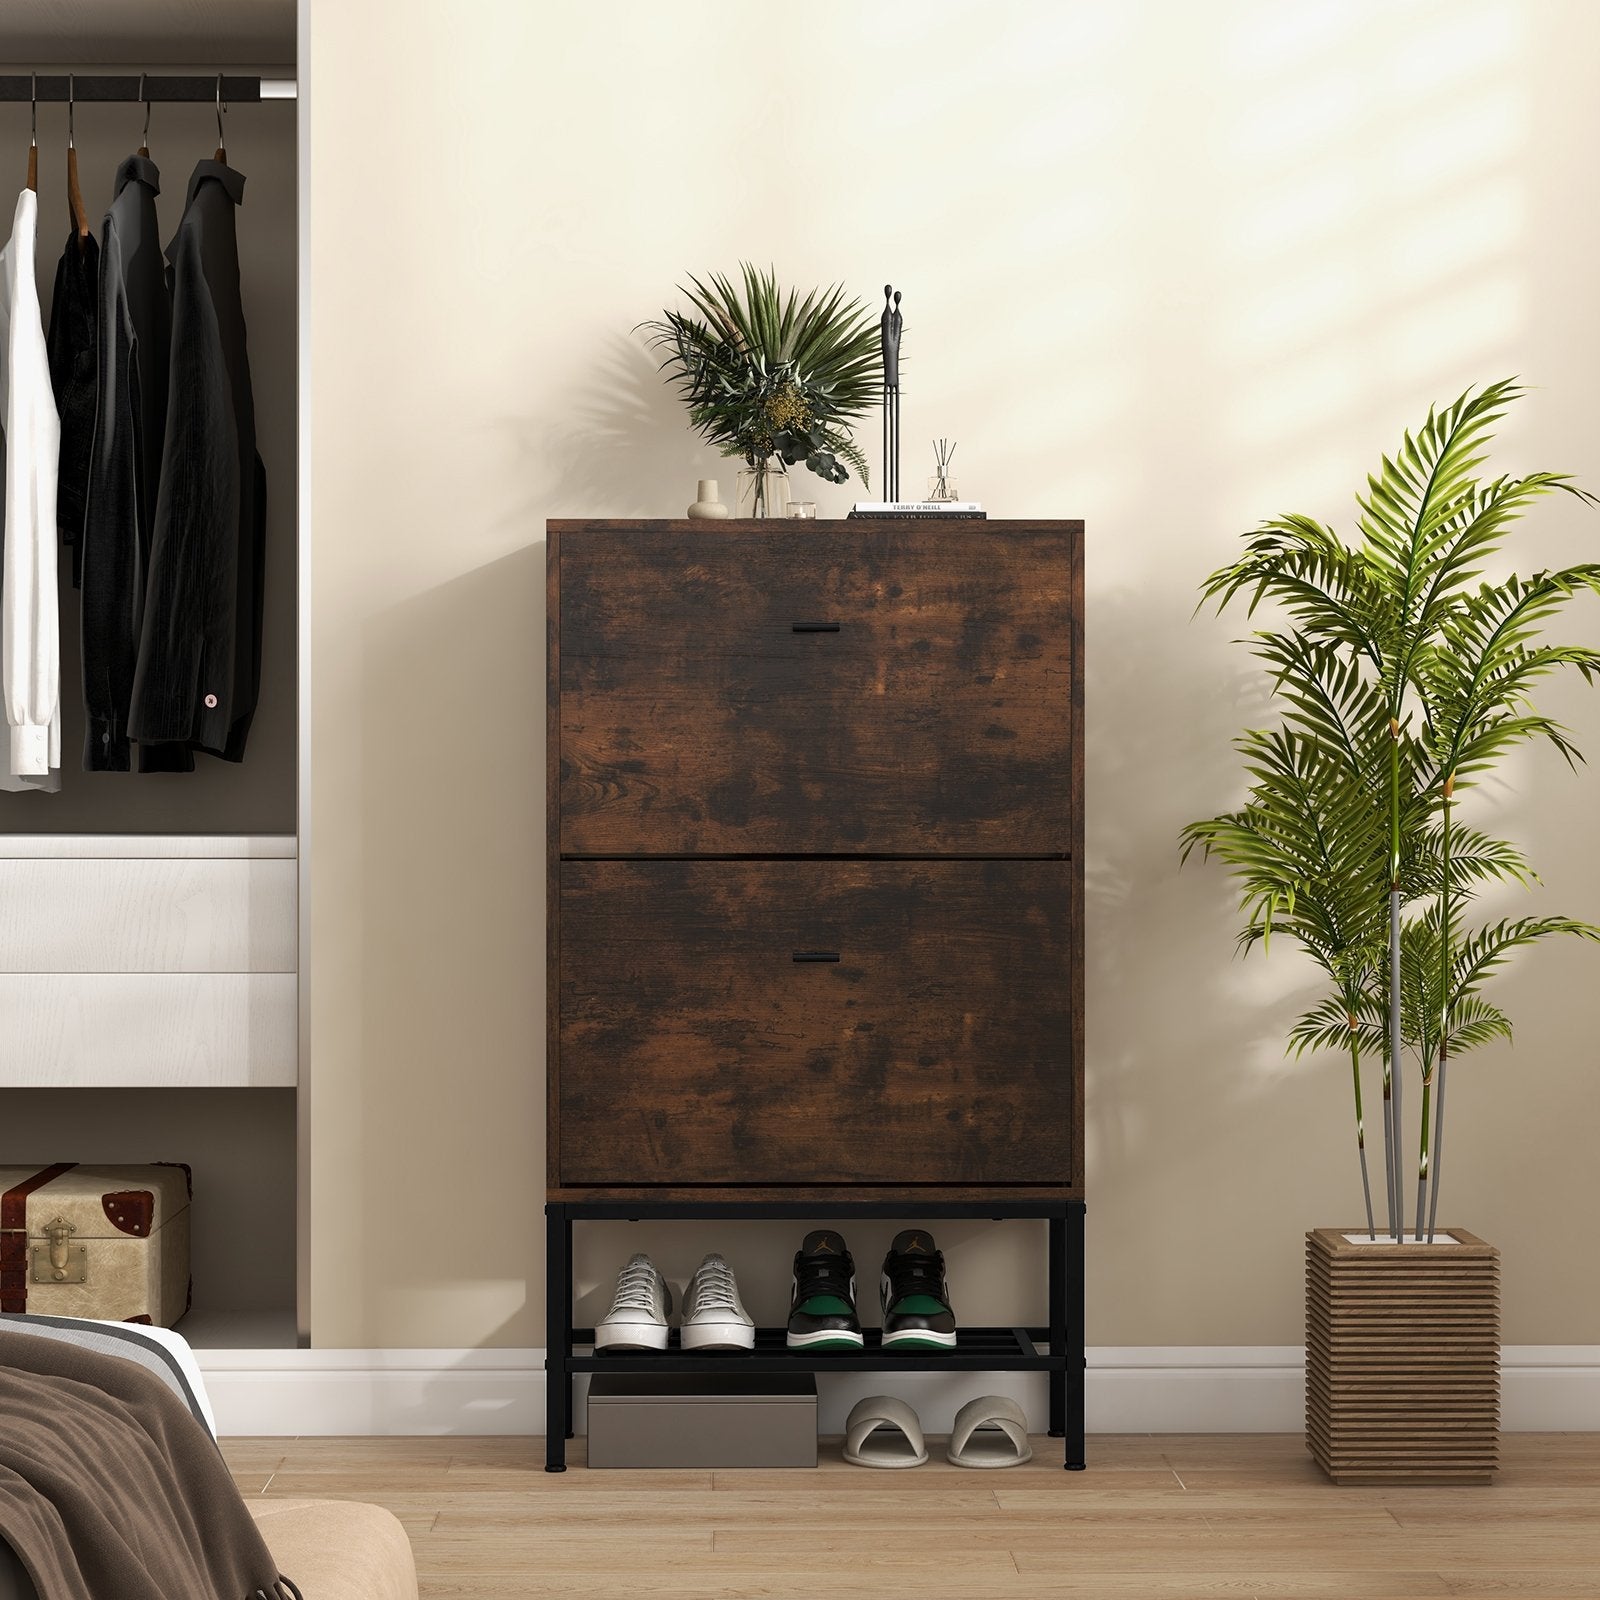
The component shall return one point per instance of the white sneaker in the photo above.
(637, 1319)
(713, 1317)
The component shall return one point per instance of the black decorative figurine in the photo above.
(889, 324)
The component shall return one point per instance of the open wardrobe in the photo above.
(150, 763)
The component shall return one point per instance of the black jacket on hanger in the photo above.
(200, 647)
(131, 412)
(74, 312)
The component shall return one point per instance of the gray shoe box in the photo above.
(681, 1420)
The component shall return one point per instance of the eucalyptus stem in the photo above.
(1361, 1128)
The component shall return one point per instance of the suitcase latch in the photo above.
(59, 1261)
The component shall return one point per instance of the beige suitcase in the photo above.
(104, 1242)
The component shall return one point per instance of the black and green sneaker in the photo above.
(822, 1312)
(916, 1303)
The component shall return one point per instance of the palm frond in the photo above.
(1481, 953)
(1304, 567)
(1328, 1026)
(1478, 679)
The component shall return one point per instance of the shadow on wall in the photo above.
(453, 904)
(1204, 1064)
(623, 429)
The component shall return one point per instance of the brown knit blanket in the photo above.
(110, 1490)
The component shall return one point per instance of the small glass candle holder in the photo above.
(802, 508)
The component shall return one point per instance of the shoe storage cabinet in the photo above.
(815, 901)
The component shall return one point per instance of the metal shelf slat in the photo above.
(977, 1350)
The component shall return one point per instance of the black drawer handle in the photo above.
(815, 955)
(814, 627)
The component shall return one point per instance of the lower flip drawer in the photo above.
(787, 1022)
(685, 1421)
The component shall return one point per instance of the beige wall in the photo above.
(1168, 267)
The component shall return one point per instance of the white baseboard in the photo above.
(1185, 1389)
(279, 1393)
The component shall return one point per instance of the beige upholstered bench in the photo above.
(333, 1549)
(338, 1549)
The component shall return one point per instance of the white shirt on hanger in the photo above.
(30, 643)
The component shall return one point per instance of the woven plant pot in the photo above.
(1403, 1358)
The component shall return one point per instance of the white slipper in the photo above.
(883, 1432)
(991, 1431)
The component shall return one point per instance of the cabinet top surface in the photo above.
(803, 525)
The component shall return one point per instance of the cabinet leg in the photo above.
(1076, 1357)
(558, 1337)
(1058, 1324)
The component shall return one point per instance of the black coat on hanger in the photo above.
(135, 330)
(74, 314)
(199, 665)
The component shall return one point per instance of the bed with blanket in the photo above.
(112, 1486)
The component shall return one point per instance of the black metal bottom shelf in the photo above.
(1057, 1350)
(976, 1350)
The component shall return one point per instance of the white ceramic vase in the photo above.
(708, 503)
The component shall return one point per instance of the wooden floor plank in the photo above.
(1244, 1517)
(253, 1461)
(1553, 1583)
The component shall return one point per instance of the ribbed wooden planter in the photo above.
(1403, 1359)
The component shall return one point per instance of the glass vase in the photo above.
(764, 491)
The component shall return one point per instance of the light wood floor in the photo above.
(1164, 1516)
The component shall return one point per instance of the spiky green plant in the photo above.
(765, 373)
(1402, 680)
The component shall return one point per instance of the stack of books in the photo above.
(918, 508)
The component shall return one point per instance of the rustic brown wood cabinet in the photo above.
(815, 813)
(816, 898)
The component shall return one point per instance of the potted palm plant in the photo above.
(773, 378)
(1402, 680)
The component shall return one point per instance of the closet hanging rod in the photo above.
(163, 89)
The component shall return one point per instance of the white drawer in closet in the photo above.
(149, 914)
(148, 961)
(173, 1030)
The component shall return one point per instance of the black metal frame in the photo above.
(977, 1349)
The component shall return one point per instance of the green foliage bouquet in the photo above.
(767, 374)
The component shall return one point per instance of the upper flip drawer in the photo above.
(849, 688)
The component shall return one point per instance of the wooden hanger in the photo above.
(80, 212)
(33, 147)
(222, 149)
(144, 143)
